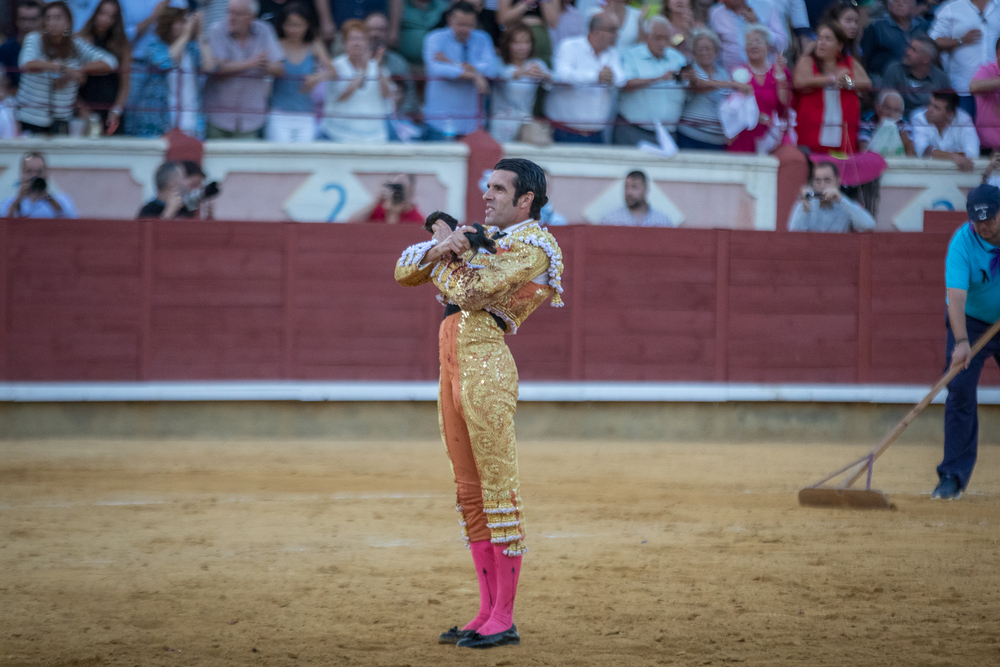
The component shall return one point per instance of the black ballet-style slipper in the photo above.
(454, 635)
(505, 638)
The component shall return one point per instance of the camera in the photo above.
(813, 195)
(38, 184)
(398, 193)
(194, 198)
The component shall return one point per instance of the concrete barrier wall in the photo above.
(323, 181)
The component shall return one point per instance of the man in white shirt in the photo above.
(35, 197)
(652, 91)
(944, 132)
(637, 212)
(822, 208)
(587, 72)
(967, 31)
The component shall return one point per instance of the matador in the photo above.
(487, 296)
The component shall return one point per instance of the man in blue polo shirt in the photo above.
(972, 278)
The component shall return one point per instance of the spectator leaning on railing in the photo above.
(943, 131)
(458, 61)
(515, 91)
(359, 102)
(245, 51)
(985, 86)
(53, 63)
(29, 19)
(700, 126)
(965, 30)
(306, 64)
(827, 84)
(35, 197)
(916, 76)
(822, 207)
(770, 84)
(587, 73)
(652, 91)
(169, 95)
(107, 94)
(883, 130)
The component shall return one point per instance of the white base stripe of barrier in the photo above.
(675, 392)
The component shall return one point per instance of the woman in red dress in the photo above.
(770, 83)
(827, 84)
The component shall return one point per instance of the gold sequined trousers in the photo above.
(476, 405)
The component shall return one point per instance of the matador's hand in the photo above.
(456, 241)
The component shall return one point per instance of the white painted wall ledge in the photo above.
(671, 392)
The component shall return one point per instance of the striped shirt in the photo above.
(700, 119)
(39, 103)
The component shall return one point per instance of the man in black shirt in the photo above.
(169, 202)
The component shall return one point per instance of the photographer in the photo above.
(34, 198)
(170, 194)
(393, 204)
(822, 208)
(199, 197)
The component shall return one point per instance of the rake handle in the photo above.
(898, 429)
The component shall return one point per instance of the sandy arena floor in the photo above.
(190, 553)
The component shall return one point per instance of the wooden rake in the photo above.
(842, 495)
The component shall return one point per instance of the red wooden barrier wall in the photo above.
(124, 300)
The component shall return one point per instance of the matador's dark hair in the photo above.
(528, 177)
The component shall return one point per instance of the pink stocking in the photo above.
(508, 570)
(482, 557)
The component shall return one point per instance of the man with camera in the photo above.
(170, 191)
(34, 198)
(822, 208)
(393, 204)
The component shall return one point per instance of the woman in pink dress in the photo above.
(771, 86)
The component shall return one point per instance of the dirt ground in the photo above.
(291, 553)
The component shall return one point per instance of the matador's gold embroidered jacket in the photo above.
(511, 284)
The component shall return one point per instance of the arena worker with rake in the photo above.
(488, 285)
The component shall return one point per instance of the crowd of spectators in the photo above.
(894, 77)
(818, 73)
